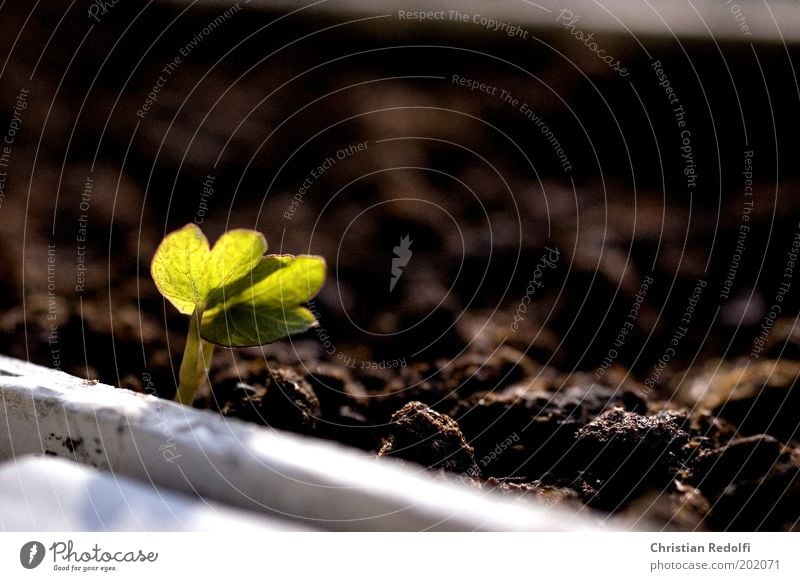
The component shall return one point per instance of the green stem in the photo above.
(196, 361)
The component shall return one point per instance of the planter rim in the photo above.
(317, 483)
(45, 494)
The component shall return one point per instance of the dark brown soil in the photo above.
(419, 434)
(572, 336)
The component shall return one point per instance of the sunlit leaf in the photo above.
(232, 258)
(246, 298)
(248, 325)
(179, 268)
(270, 308)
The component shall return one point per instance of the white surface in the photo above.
(51, 494)
(319, 484)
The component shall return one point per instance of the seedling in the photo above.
(236, 296)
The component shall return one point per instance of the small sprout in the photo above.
(236, 296)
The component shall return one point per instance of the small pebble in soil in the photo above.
(621, 452)
(419, 434)
(753, 483)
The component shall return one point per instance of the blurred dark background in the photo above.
(263, 99)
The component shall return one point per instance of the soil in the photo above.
(601, 337)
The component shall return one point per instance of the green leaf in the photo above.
(189, 273)
(248, 325)
(233, 258)
(292, 280)
(264, 305)
(245, 298)
(232, 292)
(179, 268)
(238, 296)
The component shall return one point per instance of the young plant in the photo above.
(236, 296)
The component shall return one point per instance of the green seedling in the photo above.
(236, 296)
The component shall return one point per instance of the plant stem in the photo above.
(196, 361)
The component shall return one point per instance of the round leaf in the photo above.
(179, 268)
